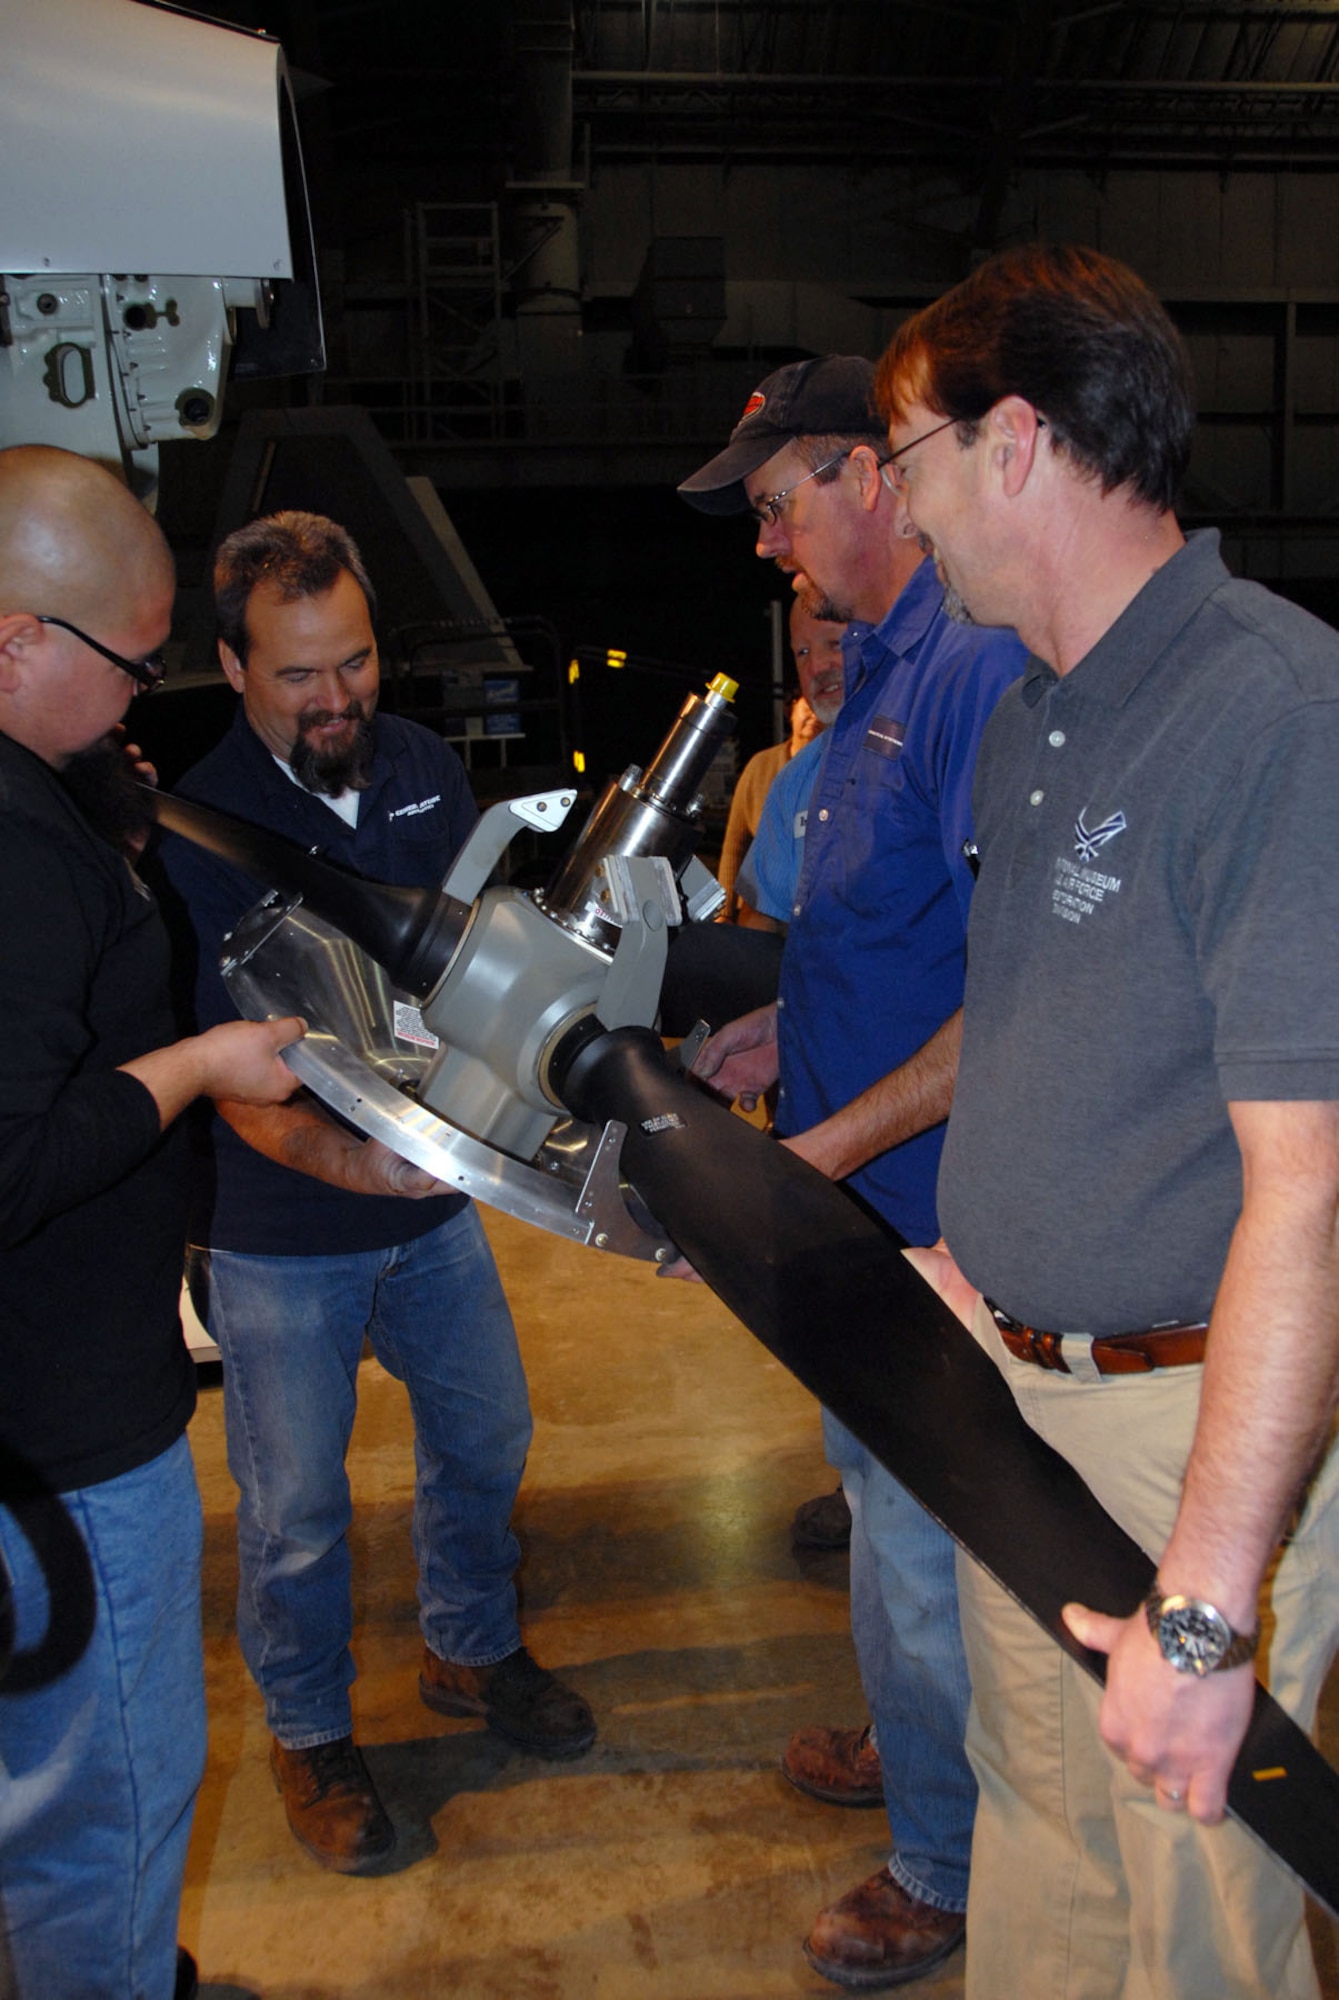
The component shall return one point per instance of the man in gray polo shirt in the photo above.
(1145, 1135)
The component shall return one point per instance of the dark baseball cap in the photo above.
(831, 396)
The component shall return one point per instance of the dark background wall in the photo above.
(560, 240)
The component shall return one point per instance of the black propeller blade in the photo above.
(412, 932)
(715, 972)
(824, 1286)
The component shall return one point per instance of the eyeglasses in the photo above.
(890, 463)
(148, 672)
(769, 511)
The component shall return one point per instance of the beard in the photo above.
(332, 770)
(819, 605)
(102, 783)
(955, 605)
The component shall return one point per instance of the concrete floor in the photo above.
(673, 1861)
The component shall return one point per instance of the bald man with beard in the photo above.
(101, 1734)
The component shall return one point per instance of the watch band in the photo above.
(1161, 1609)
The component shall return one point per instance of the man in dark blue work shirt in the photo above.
(864, 1039)
(319, 1238)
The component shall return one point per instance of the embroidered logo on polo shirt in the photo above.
(885, 737)
(1077, 888)
(1076, 892)
(1087, 840)
(423, 805)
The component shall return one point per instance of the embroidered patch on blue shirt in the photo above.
(419, 806)
(885, 737)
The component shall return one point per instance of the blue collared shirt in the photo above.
(770, 871)
(875, 954)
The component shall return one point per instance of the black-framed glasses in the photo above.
(899, 477)
(148, 672)
(891, 464)
(768, 511)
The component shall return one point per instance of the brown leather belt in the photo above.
(1178, 1345)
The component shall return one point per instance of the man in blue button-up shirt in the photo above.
(864, 1040)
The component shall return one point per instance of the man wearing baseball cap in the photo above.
(863, 1039)
(830, 395)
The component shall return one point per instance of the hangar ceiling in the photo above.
(566, 236)
(987, 87)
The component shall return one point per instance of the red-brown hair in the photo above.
(1078, 336)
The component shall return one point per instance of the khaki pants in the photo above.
(1081, 1888)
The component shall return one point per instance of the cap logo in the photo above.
(757, 401)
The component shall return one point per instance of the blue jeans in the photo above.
(99, 1769)
(291, 1330)
(908, 1643)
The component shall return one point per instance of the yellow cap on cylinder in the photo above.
(722, 685)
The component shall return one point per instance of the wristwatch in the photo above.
(1194, 1636)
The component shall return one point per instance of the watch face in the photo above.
(1193, 1636)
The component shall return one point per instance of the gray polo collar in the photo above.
(1113, 672)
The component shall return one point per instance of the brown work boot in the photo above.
(517, 1698)
(824, 1523)
(332, 1805)
(877, 1935)
(839, 1766)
